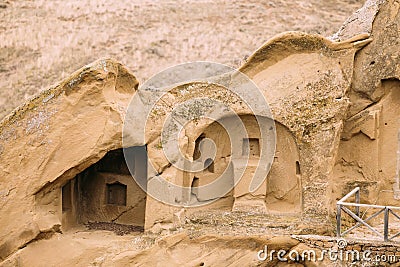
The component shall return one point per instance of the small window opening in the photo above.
(209, 165)
(116, 194)
(298, 167)
(251, 147)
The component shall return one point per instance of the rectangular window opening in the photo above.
(116, 194)
(251, 147)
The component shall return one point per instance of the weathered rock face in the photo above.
(305, 80)
(379, 61)
(52, 138)
(335, 105)
(368, 151)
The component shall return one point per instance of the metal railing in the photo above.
(343, 205)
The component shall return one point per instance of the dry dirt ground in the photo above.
(42, 42)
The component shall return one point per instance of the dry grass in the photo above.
(41, 42)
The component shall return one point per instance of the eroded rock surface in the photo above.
(53, 137)
(335, 105)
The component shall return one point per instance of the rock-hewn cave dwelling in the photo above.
(335, 125)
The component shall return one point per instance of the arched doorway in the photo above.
(107, 192)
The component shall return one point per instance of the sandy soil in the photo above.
(41, 42)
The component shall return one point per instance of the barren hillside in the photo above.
(41, 42)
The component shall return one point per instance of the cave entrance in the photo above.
(107, 191)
